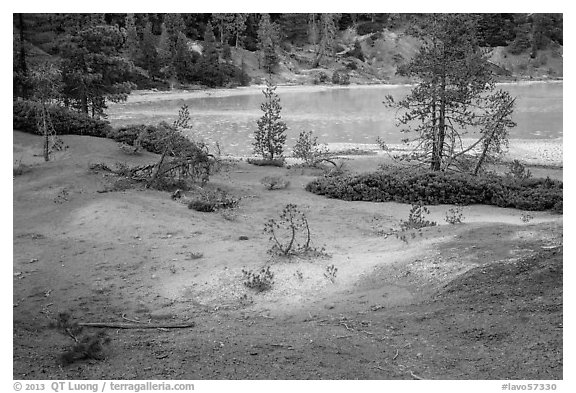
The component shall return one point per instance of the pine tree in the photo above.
(132, 41)
(183, 60)
(238, 27)
(175, 25)
(327, 30)
(268, 40)
(97, 19)
(46, 82)
(454, 94)
(150, 60)
(19, 63)
(226, 24)
(270, 137)
(165, 54)
(93, 71)
(209, 65)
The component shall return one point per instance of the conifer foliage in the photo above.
(455, 96)
(271, 134)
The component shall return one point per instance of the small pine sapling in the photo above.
(286, 233)
(270, 137)
(416, 218)
(454, 215)
(517, 170)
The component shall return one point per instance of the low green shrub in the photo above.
(433, 188)
(275, 182)
(340, 78)
(322, 77)
(64, 121)
(202, 206)
(211, 200)
(279, 162)
(261, 281)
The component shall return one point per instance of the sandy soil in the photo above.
(478, 300)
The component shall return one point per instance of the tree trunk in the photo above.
(482, 157)
(84, 103)
(158, 166)
(316, 61)
(22, 56)
(437, 161)
(45, 132)
(434, 140)
(488, 141)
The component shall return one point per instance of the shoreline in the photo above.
(139, 96)
(529, 151)
(546, 153)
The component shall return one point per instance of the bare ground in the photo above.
(478, 300)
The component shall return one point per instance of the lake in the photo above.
(336, 115)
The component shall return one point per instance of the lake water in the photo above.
(335, 115)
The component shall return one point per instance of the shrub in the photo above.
(454, 215)
(322, 77)
(351, 66)
(432, 188)
(340, 78)
(261, 281)
(557, 207)
(330, 272)
(526, 218)
(194, 255)
(274, 182)
(284, 232)
(308, 149)
(64, 121)
(86, 345)
(212, 200)
(518, 170)
(356, 52)
(290, 235)
(416, 218)
(19, 169)
(279, 162)
(202, 206)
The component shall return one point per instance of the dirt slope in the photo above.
(459, 302)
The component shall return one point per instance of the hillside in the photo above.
(380, 48)
(384, 55)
